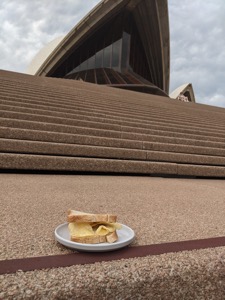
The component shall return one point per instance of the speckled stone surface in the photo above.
(157, 209)
(185, 275)
(66, 125)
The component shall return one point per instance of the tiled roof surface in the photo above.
(54, 124)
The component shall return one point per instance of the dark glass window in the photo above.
(91, 62)
(116, 53)
(83, 66)
(98, 59)
(115, 45)
(125, 50)
(138, 61)
(107, 52)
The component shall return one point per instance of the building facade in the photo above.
(122, 43)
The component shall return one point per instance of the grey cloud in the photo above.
(29, 25)
(198, 48)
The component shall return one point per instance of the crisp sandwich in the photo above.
(92, 228)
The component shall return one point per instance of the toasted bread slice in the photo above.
(112, 237)
(78, 216)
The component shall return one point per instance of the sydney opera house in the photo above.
(119, 43)
(97, 100)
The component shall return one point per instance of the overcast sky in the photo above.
(197, 38)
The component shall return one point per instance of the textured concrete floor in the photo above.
(158, 210)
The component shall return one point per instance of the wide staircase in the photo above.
(62, 125)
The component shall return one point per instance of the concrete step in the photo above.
(56, 137)
(111, 131)
(82, 114)
(57, 93)
(48, 148)
(74, 164)
(46, 136)
(136, 131)
(53, 85)
(149, 113)
(68, 86)
(158, 125)
(108, 127)
(62, 125)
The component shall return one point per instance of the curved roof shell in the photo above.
(151, 18)
(42, 55)
(186, 90)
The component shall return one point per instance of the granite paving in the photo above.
(158, 209)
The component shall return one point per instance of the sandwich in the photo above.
(92, 228)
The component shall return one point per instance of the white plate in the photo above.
(125, 237)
